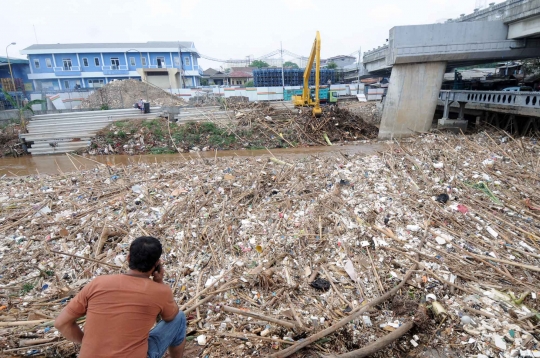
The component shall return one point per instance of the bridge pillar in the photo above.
(461, 115)
(411, 99)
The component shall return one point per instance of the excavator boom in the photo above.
(305, 99)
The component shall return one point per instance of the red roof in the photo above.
(240, 74)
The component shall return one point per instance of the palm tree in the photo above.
(21, 109)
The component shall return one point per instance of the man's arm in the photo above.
(66, 323)
(170, 308)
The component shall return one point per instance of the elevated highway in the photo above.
(417, 57)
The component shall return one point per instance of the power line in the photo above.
(270, 54)
(302, 59)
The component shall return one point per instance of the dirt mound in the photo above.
(125, 93)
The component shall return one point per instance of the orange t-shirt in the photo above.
(120, 311)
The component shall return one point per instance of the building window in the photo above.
(115, 63)
(67, 64)
(47, 85)
(177, 61)
(96, 61)
(95, 83)
(161, 62)
(143, 59)
(186, 61)
(66, 84)
(36, 63)
(48, 63)
(132, 61)
(85, 62)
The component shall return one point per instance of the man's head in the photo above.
(144, 253)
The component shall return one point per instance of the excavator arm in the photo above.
(305, 98)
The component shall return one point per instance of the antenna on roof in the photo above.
(35, 33)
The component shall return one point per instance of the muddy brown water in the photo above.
(57, 164)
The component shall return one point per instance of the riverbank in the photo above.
(433, 240)
(65, 164)
(10, 145)
(251, 126)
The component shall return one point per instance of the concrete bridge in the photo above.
(418, 56)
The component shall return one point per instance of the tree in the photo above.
(22, 108)
(331, 66)
(259, 64)
(531, 66)
(204, 81)
(249, 83)
(290, 64)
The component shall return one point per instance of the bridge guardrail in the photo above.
(504, 98)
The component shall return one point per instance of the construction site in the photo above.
(397, 216)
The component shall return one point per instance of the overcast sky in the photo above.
(222, 28)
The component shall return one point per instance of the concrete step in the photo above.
(34, 128)
(42, 143)
(113, 112)
(52, 151)
(59, 147)
(92, 118)
(63, 144)
(29, 137)
(63, 129)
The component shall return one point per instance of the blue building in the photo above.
(90, 65)
(20, 69)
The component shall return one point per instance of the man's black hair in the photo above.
(144, 253)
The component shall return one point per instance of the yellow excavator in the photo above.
(306, 98)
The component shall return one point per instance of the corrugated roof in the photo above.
(13, 60)
(189, 45)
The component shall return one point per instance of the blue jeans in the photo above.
(165, 335)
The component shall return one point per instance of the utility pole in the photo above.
(35, 34)
(358, 67)
(282, 70)
(9, 65)
(183, 84)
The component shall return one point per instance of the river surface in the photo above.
(62, 163)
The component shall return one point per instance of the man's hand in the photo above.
(66, 323)
(159, 274)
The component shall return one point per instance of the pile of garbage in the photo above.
(125, 93)
(429, 247)
(10, 144)
(238, 124)
(335, 124)
(370, 111)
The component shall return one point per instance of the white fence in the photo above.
(69, 101)
(258, 93)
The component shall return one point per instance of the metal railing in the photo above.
(66, 69)
(504, 98)
(114, 67)
(160, 66)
